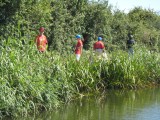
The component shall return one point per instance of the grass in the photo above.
(31, 82)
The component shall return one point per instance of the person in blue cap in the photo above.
(79, 47)
(99, 47)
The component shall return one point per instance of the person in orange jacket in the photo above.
(41, 40)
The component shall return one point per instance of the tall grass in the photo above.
(31, 81)
(139, 70)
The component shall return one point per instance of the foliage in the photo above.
(21, 19)
(31, 82)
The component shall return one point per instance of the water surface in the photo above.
(113, 105)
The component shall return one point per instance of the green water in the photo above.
(112, 105)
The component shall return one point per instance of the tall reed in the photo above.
(31, 82)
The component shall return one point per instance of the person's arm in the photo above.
(46, 41)
(133, 42)
(80, 47)
(128, 44)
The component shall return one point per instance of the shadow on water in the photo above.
(114, 105)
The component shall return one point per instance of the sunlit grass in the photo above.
(31, 81)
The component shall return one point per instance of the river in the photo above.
(141, 104)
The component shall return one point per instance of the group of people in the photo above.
(98, 46)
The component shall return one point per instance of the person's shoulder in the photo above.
(43, 35)
(80, 41)
(101, 42)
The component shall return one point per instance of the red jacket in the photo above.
(98, 45)
(79, 46)
(41, 42)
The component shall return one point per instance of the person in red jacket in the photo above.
(78, 48)
(99, 47)
(41, 40)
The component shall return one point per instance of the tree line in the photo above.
(63, 19)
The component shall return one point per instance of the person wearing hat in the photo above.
(130, 43)
(41, 40)
(78, 48)
(99, 47)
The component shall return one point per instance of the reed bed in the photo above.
(31, 82)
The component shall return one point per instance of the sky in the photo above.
(127, 5)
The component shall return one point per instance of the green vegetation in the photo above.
(31, 82)
(63, 19)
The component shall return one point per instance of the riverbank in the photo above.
(32, 82)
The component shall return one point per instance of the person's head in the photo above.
(78, 36)
(41, 30)
(130, 36)
(99, 38)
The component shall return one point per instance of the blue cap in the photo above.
(99, 38)
(78, 36)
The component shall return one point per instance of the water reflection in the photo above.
(114, 105)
